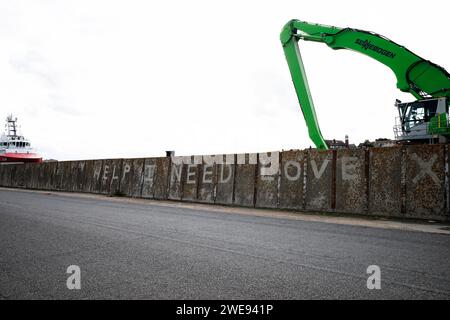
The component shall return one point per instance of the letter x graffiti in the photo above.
(425, 168)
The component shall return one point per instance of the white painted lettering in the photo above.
(318, 173)
(207, 171)
(298, 172)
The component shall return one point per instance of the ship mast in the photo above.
(11, 126)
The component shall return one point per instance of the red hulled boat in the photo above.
(14, 147)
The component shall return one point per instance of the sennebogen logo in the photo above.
(367, 45)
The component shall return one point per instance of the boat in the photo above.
(14, 148)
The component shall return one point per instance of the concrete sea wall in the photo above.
(403, 182)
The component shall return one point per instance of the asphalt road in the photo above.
(141, 250)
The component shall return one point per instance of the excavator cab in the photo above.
(422, 121)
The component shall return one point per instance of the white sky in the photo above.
(105, 79)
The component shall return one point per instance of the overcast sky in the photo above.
(106, 79)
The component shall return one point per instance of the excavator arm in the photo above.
(422, 78)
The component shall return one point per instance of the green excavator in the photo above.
(422, 121)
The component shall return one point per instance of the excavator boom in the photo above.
(421, 78)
